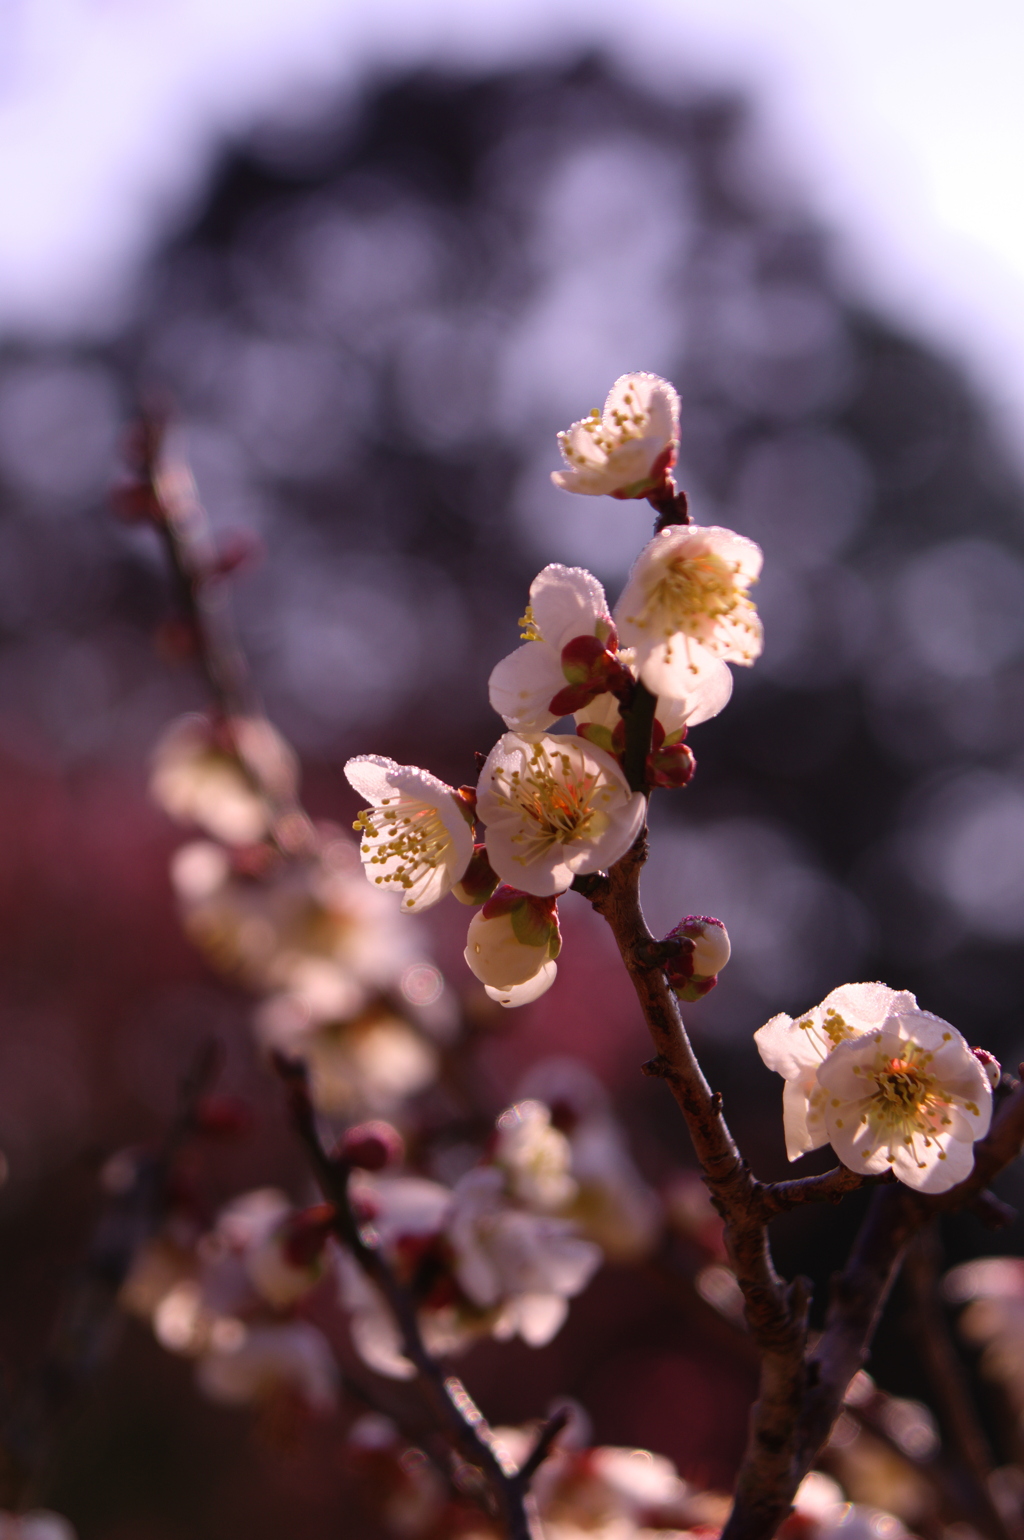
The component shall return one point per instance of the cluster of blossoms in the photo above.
(499, 1253)
(345, 986)
(503, 1250)
(227, 1298)
(553, 807)
(888, 1085)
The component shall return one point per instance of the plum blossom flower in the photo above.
(797, 1049)
(687, 597)
(416, 838)
(199, 775)
(554, 806)
(894, 1087)
(370, 1062)
(628, 449)
(512, 945)
(536, 1157)
(568, 655)
(310, 925)
(610, 1203)
(708, 690)
(525, 1267)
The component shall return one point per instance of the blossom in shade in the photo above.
(416, 838)
(220, 775)
(535, 1156)
(568, 655)
(628, 449)
(262, 1361)
(523, 1266)
(512, 945)
(554, 806)
(687, 596)
(888, 1085)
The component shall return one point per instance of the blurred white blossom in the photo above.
(220, 775)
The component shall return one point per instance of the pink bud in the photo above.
(695, 971)
(990, 1064)
(371, 1146)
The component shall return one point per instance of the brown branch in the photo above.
(502, 1494)
(798, 1399)
(776, 1313)
(830, 1187)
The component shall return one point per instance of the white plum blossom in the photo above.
(416, 838)
(309, 925)
(888, 1085)
(536, 1157)
(203, 772)
(569, 642)
(512, 945)
(611, 1203)
(686, 598)
(628, 449)
(525, 1267)
(708, 690)
(266, 1360)
(554, 806)
(367, 1063)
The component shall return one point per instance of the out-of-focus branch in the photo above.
(163, 492)
(502, 1493)
(951, 1392)
(84, 1329)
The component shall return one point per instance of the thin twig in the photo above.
(830, 1187)
(506, 1493)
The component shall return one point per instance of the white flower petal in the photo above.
(522, 685)
(415, 839)
(567, 602)
(524, 994)
(554, 806)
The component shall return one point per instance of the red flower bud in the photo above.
(371, 1146)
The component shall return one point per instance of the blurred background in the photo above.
(374, 261)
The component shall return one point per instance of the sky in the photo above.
(901, 122)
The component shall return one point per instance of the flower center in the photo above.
(411, 834)
(555, 802)
(903, 1101)
(610, 432)
(692, 593)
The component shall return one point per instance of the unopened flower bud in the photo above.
(224, 1117)
(695, 970)
(371, 1146)
(990, 1064)
(512, 942)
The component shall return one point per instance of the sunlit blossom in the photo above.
(512, 945)
(893, 1086)
(415, 838)
(568, 655)
(687, 596)
(628, 449)
(554, 806)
